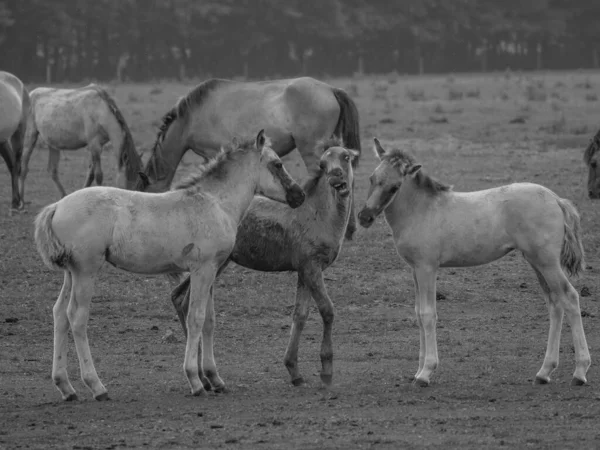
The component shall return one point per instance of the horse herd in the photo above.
(243, 206)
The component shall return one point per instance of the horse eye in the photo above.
(278, 164)
(394, 189)
(346, 157)
(593, 164)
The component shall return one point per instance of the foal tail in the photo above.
(54, 254)
(348, 127)
(571, 253)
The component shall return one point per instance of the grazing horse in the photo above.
(296, 113)
(70, 119)
(590, 157)
(306, 240)
(191, 228)
(14, 107)
(435, 227)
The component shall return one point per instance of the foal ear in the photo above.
(412, 170)
(379, 150)
(260, 139)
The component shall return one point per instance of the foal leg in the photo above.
(421, 329)
(208, 368)
(61, 329)
(31, 137)
(201, 282)
(427, 314)
(78, 313)
(562, 297)
(53, 159)
(314, 280)
(300, 315)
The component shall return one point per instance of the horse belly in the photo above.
(61, 128)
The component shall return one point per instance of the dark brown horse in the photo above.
(296, 113)
(590, 157)
(14, 108)
(306, 240)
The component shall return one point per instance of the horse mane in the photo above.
(128, 157)
(591, 149)
(429, 184)
(216, 167)
(321, 147)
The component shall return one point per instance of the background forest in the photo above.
(73, 40)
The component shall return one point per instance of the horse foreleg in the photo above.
(427, 314)
(61, 328)
(201, 281)
(53, 160)
(31, 137)
(78, 313)
(300, 315)
(209, 366)
(421, 329)
(314, 281)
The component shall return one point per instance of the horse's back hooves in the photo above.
(327, 379)
(71, 397)
(102, 397)
(577, 382)
(298, 381)
(420, 383)
(221, 389)
(539, 380)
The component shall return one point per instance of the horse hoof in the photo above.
(207, 385)
(420, 383)
(539, 380)
(577, 382)
(222, 389)
(199, 393)
(298, 381)
(71, 397)
(326, 379)
(102, 397)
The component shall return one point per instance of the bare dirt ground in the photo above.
(492, 326)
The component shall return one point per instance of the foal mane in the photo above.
(429, 184)
(216, 167)
(592, 148)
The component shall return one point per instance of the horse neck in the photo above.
(163, 162)
(409, 202)
(332, 209)
(237, 189)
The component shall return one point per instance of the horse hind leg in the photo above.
(209, 367)
(30, 140)
(61, 328)
(300, 316)
(562, 298)
(8, 156)
(78, 313)
(95, 167)
(422, 342)
(53, 160)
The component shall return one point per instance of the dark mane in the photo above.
(311, 184)
(217, 166)
(430, 185)
(591, 149)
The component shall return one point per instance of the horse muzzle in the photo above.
(295, 196)
(366, 218)
(340, 185)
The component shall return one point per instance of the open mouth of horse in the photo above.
(340, 185)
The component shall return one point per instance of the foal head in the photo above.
(386, 180)
(274, 180)
(336, 164)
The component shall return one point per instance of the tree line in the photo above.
(75, 40)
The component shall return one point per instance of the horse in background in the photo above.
(14, 108)
(590, 158)
(306, 240)
(190, 229)
(434, 227)
(296, 113)
(71, 119)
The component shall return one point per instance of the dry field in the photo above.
(492, 328)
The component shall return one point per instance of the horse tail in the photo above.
(54, 254)
(572, 256)
(348, 127)
(128, 157)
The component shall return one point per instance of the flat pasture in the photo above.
(471, 131)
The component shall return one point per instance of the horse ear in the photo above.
(145, 180)
(379, 150)
(412, 170)
(260, 140)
